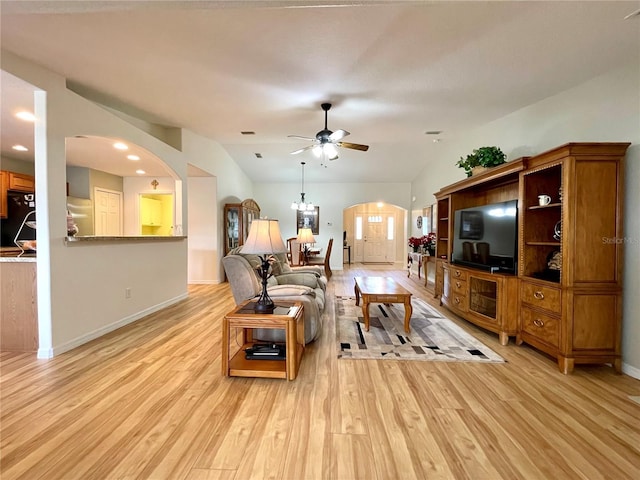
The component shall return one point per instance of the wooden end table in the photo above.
(382, 290)
(288, 317)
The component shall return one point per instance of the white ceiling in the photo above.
(392, 69)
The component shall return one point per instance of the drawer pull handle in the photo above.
(458, 273)
(538, 323)
(538, 294)
(458, 284)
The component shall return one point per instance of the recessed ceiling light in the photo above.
(433, 132)
(26, 116)
(133, 157)
(120, 146)
(20, 148)
(140, 172)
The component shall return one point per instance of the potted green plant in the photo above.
(486, 157)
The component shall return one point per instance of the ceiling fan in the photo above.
(326, 141)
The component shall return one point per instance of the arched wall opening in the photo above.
(375, 232)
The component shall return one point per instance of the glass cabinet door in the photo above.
(232, 216)
(483, 296)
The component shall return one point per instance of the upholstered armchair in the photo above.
(303, 285)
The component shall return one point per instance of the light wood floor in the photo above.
(149, 401)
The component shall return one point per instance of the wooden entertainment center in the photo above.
(566, 298)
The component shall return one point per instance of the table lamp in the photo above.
(264, 240)
(305, 236)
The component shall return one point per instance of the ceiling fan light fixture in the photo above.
(330, 151)
(325, 143)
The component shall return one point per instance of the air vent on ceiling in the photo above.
(258, 155)
(433, 132)
(248, 132)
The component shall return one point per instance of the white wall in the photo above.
(332, 198)
(81, 287)
(232, 186)
(203, 219)
(604, 109)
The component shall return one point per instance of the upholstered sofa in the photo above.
(304, 284)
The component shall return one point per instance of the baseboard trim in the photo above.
(76, 342)
(631, 371)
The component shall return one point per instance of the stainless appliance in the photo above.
(81, 210)
(19, 205)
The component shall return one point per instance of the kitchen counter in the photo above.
(140, 238)
(10, 254)
(15, 259)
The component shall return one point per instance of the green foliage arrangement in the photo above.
(482, 157)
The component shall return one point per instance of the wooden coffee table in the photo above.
(382, 290)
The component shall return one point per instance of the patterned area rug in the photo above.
(433, 337)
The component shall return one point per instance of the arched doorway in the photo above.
(376, 232)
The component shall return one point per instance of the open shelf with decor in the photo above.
(541, 225)
(442, 242)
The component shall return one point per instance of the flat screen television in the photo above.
(486, 237)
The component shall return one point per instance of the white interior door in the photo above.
(108, 212)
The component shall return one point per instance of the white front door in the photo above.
(376, 243)
(108, 212)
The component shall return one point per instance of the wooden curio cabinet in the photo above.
(237, 220)
(571, 253)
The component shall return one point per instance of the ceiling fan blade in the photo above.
(301, 137)
(354, 146)
(338, 135)
(304, 149)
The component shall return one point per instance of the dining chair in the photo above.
(294, 254)
(323, 260)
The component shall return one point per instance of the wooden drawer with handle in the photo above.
(460, 302)
(457, 274)
(458, 287)
(540, 296)
(543, 327)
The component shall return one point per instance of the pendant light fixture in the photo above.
(302, 205)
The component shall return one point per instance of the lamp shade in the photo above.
(264, 238)
(305, 236)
